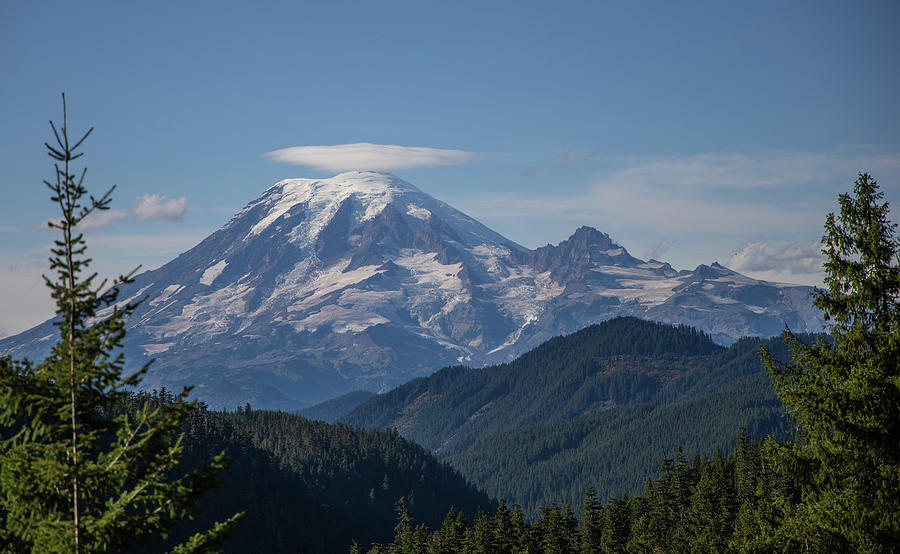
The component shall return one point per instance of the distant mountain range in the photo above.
(362, 282)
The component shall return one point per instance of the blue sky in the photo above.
(692, 132)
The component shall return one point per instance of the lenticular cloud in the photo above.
(367, 156)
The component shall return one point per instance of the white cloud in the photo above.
(147, 206)
(756, 256)
(364, 155)
(703, 204)
(155, 206)
(96, 220)
(721, 193)
(101, 218)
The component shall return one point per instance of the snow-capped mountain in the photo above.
(362, 281)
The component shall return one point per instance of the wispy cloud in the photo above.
(756, 256)
(705, 204)
(102, 218)
(715, 192)
(96, 220)
(155, 206)
(364, 155)
(147, 206)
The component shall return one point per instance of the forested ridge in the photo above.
(598, 407)
(332, 410)
(709, 504)
(619, 362)
(309, 486)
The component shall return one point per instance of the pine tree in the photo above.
(591, 530)
(708, 523)
(73, 478)
(557, 529)
(504, 536)
(522, 531)
(616, 525)
(844, 394)
(481, 536)
(451, 537)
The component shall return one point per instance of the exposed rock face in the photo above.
(362, 281)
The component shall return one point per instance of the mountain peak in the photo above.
(361, 280)
(588, 236)
(363, 183)
(322, 198)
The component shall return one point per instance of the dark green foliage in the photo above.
(591, 532)
(73, 476)
(336, 408)
(622, 361)
(845, 394)
(693, 507)
(595, 408)
(309, 486)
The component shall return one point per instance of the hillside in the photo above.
(309, 486)
(598, 407)
(332, 410)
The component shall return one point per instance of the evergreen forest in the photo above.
(309, 486)
(599, 407)
(710, 504)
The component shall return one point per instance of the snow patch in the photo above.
(311, 290)
(166, 293)
(417, 212)
(157, 348)
(340, 319)
(212, 272)
(207, 315)
(107, 311)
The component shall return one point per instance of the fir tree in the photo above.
(844, 394)
(591, 529)
(73, 478)
(616, 525)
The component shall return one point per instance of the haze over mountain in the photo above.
(362, 281)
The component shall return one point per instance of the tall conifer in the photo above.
(73, 478)
(844, 394)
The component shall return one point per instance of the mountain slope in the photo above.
(598, 407)
(313, 487)
(336, 408)
(362, 282)
(620, 362)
